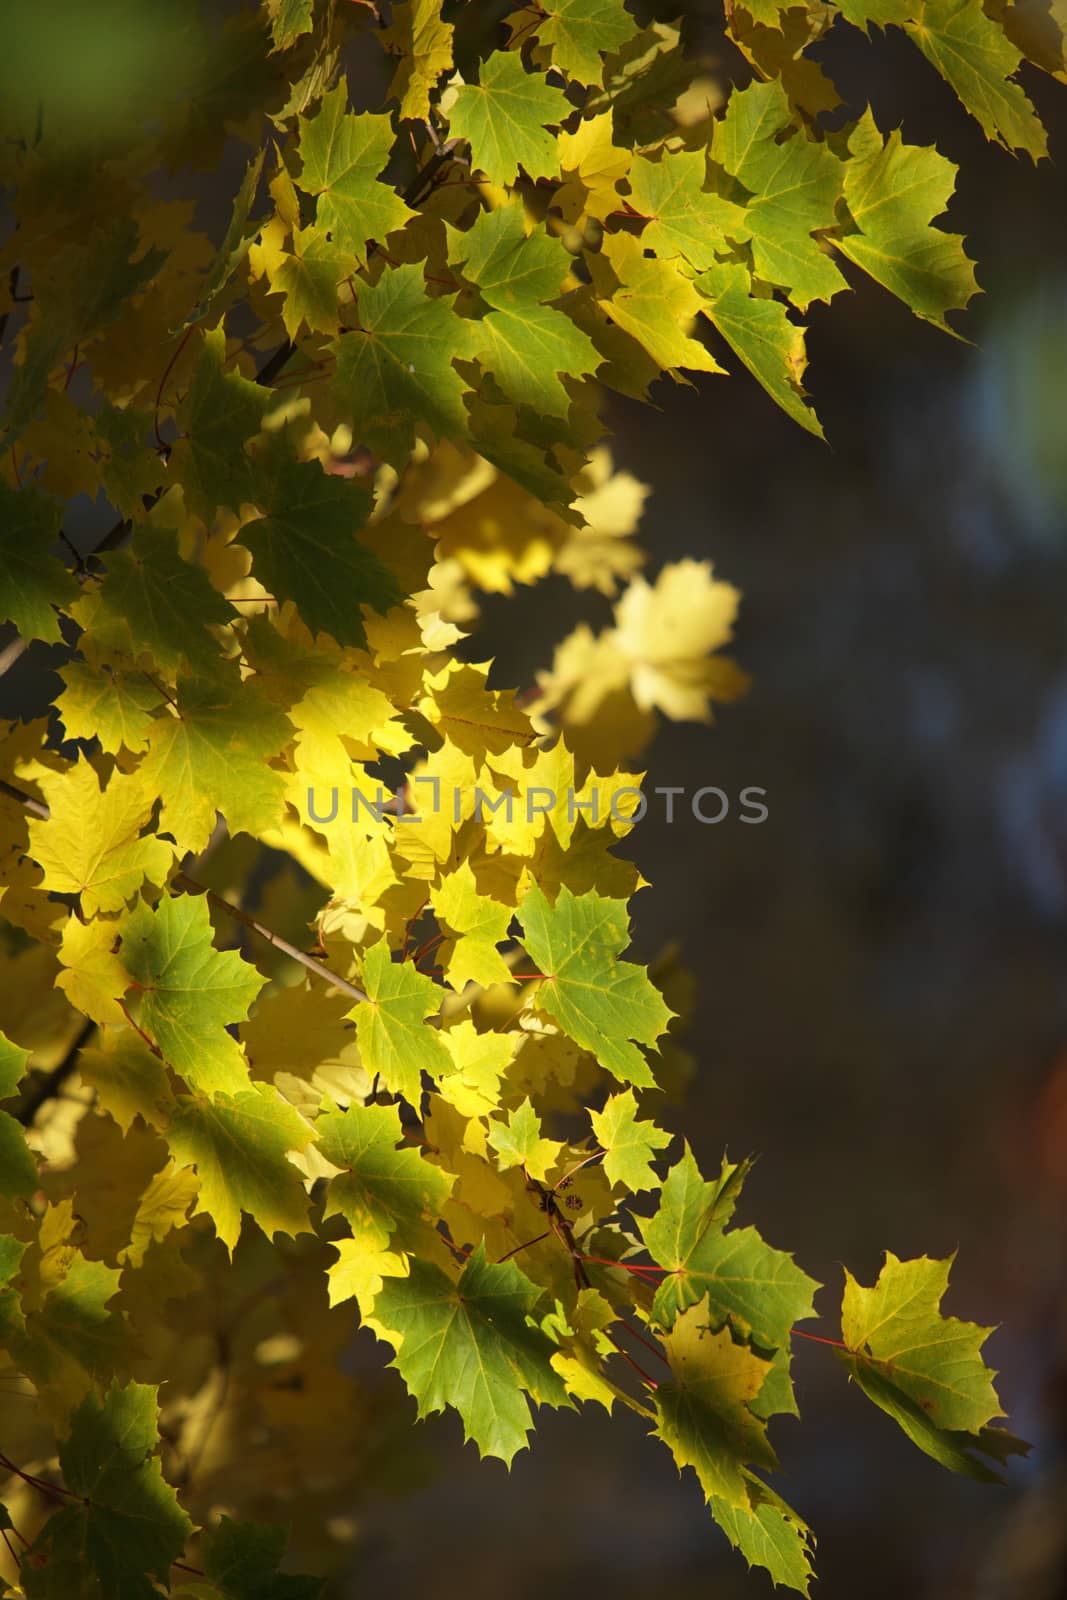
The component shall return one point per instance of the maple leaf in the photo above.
(524, 343)
(236, 240)
(342, 156)
(308, 276)
(518, 1142)
(241, 1560)
(479, 1063)
(758, 328)
(580, 32)
(665, 631)
(652, 302)
(305, 548)
(892, 193)
(114, 707)
(153, 604)
(703, 1412)
(471, 1345)
(630, 1146)
(603, 1004)
(211, 755)
(394, 1041)
(288, 20)
(130, 1524)
(923, 1369)
(239, 1145)
(384, 1189)
(595, 166)
(478, 923)
(760, 1291)
(793, 188)
(187, 992)
(18, 1169)
(684, 217)
(769, 1534)
(220, 414)
(423, 42)
(505, 117)
(975, 55)
(32, 582)
(90, 845)
(399, 366)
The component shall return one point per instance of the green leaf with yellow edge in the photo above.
(32, 582)
(893, 192)
(219, 415)
(74, 1338)
(477, 923)
(130, 1527)
(651, 301)
(422, 40)
(152, 603)
(605, 1005)
(18, 1168)
(114, 707)
(398, 368)
(239, 1145)
(923, 1369)
(505, 118)
(629, 1146)
(470, 1344)
(973, 53)
(241, 1559)
(769, 1535)
(342, 156)
(759, 1290)
(91, 845)
(211, 755)
(525, 344)
(308, 276)
(186, 992)
(395, 1042)
(385, 1189)
(579, 33)
(703, 1412)
(305, 548)
(518, 1142)
(685, 218)
(758, 329)
(792, 190)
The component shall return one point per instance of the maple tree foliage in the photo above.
(392, 1068)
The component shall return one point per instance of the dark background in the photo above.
(881, 1006)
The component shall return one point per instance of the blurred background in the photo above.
(880, 998)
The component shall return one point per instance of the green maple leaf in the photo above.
(308, 277)
(703, 1412)
(892, 194)
(234, 247)
(759, 330)
(479, 923)
(342, 156)
(759, 1290)
(304, 548)
(32, 582)
(239, 1145)
(219, 415)
(288, 20)
(211, 755)
(391, 1031)
(630, 1146)
(471, 1345)
(504, 118)
(130, 471)
(152, 603)
(579, 32)
(423, 43)
(18, 1169)
(241, 1559)
(652, 301)
(684, 217)
(132, 1528)
(385, 1189)
(187, 992)
(923, 1369)
(114, 707)
(974, 54)
(398, 367)
(74, 1337)
(768, 1534)
(603, 1004)
(793, 189)
(524, 343)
